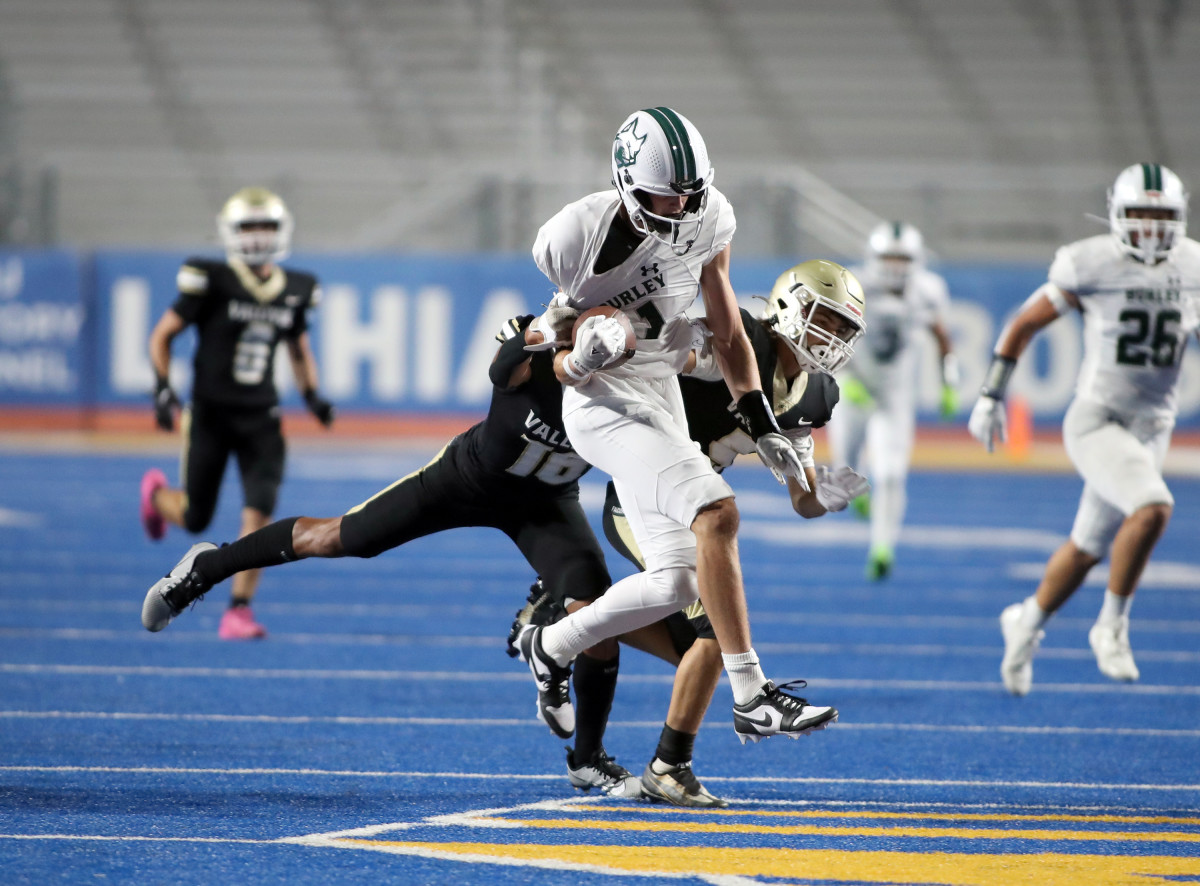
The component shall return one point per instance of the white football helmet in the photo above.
(659, 151)
(893, 249)
(255, 226)
(819, 309)
(1148, 186)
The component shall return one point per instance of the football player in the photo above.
(242, 308)
(1136, 288)
(648, 246)
(514, 471)
(879, 390)
(802, 397)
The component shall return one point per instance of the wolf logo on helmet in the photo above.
(657, 151)
(819, 309)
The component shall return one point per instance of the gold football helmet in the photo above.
(255, 226)
(819, 310)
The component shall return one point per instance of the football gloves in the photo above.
(778, 454)
(320, 407)
(837, 487)
(165, 404)
(988, 422)
(600, 341)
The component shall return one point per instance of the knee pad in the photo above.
(675, 585)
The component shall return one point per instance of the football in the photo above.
(622, 318)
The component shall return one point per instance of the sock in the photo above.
(238, 603)
(1114, 608)
(674, 748)
(595, 685)
(268, 546)
(745, 675)
(1032, 615)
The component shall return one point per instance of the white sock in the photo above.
(1032, 615)
(1115, 608)
(745, 675)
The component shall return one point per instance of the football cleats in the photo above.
(1157, 192)
(893, 249)
(819, 309)
(658, 151)
(255, 226)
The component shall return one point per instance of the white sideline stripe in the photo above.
(615, 724)
(557, 776)
(465, 642)
(131, 839)
(520, 677)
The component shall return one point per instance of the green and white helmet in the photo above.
(1156, 197)
(819, 310)
(255, 226)
(659, 151)
(894, 248)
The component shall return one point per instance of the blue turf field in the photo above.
(380, 734)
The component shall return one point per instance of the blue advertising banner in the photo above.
(43, 328)
(416, 333)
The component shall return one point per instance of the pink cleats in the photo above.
(238, 624)
(152, 520)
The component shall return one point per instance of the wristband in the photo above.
(756, 413)
(995, 383)
(570, 369)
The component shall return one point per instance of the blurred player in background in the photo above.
(1136, 288)
(879, 390)
(802, 397)
(647, 247)
(241, 307)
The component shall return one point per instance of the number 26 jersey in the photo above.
(1136, 321)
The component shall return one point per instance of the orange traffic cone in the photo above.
(1020, 428)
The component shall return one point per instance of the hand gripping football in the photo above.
(622, 318)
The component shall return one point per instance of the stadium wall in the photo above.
(410, 336)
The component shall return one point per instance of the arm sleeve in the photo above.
(511, 354)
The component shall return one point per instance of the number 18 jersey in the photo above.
(1136, 321)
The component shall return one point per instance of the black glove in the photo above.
(320, 407)
(165, 404)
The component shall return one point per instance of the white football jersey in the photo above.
(653, 286)
(885, 357)
(1136, 321)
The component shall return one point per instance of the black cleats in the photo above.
(774, 712)
(177, 590)
(539, 610)
(602, 772)
(554, 698)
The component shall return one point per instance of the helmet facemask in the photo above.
(817, 309)
(255, 227)
(658, 152)
(1147, 211)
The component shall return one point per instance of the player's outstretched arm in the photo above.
(987, 423)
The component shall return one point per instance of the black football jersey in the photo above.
(239, 320)
(522, 439)
(713, 419)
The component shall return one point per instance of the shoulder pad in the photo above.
(192, 277)
(819, 398)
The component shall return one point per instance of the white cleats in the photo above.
(1110, 643)
(1020, 644)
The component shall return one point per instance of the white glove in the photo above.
(987, 422)
(777, 453)
(554, 325)
(802, 442)
(600, 341)
(837, 487)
